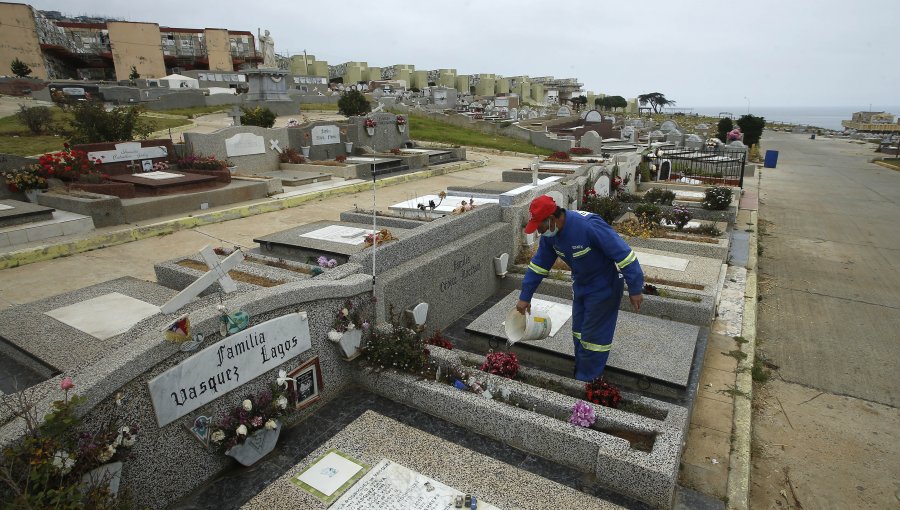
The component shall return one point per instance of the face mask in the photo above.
(550, 233)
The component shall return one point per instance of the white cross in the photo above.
(273, 145)
(218, 271)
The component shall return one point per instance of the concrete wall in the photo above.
(18, 39)
(138, 45)
(218, 49)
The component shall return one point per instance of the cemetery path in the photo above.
(825, 426)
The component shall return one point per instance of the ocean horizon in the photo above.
(827, 117)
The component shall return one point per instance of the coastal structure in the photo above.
(872, 122)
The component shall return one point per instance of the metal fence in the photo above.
(707, 165)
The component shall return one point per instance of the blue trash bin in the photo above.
(771, 159)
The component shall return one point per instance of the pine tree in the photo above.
(19, 68)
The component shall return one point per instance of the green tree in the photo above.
(259, 116)
(616, 102)
(600, 103)
(134, 74)
(19, 69)
(353, 103)
(91, 123)
(723, 127)
(36, 118)
(752, 127)
(656, 100)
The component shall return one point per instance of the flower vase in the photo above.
(350, 342)
(256, 446)
(348, 146)
(32, 195)
(371, 131)
(232, 169)
(401, 127)
(109, 475)
(305, 151)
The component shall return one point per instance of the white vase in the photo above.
(371, 131)
(32, 195)
(231, 169)
(350, 343)
(305, 151)
(401, 127)
(348, 146)
(256, 446)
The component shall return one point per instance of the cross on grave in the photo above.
(134, 164)
(218, 271)
(378, 108)
(273, 145)
(236, 115)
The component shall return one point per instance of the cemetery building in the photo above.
(56, 47)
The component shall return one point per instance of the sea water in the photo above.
(827, 117)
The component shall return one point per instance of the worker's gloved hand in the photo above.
(523, 307)
(636, 301)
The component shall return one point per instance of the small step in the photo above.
(63, 223)
(14, 212)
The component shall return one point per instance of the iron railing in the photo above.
(706, 165)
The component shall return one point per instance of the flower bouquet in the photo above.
(504, 364)
(250, 430)
(25, 179)
(68, 164)
(382, 236)
(347, 330)
(370, 126)
(401, 123)
(202, 163)
(601, 392)
(583, 414)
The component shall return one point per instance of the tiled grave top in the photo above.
(13, 212)
(340, 234)
(159, 175)
(299, 238)
(104, 316)
(60, 345)
(698, 270)
(373, 437)
(449, 203)
(163, 181)
(647, 346)
(661, 261)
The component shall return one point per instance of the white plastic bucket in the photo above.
(533, 326)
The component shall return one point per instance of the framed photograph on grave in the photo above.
(147, 165)
(307, 382)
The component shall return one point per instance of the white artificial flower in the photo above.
(118, 441)
(282, 402)
(217, 436)
(63, 462)
(351, 327)
(241, 430)
(334, 336)
(220, 308)
(248, 406)
(128, 442)
(271, 425)
(345, 312)
(282, 379)
(107, 454)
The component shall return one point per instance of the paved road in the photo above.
(830, 271)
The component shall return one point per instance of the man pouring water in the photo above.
(600, 261)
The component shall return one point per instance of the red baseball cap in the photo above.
(541, 208)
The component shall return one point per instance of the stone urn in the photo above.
(256, 446)
(305, 150)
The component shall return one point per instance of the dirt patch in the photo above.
(819, 450)
(280, 265)
(670, 283)
(238, 276)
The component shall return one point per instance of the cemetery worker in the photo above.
(600, 261)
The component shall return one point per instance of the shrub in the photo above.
(353, 103)
(718, 198)
(644, 169)
(629, 198)
(19, 69)
(648, 214)
(679, 216)
(704, 230)
(601, 392)
(580, 151)
(91, 123)
(439, 340)
(68, 165)
(752, 126)
(558, 156)
(396, 347)
(340, 158)
(723, 127)
(659, 196)
(259, 116)
(36, 118)
(290, 155)
(608, 208)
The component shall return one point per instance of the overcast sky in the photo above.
(699, 53)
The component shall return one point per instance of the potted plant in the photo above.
(348, 146)
(347, 331)
(370, 126)
(401, 123)
(26, 180)
(251, 429)
(305, 146)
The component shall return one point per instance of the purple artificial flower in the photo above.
(582, 414)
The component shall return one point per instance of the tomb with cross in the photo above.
(218, 272)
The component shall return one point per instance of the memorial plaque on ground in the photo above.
(390, 486)
(226, 365)
(648, 346)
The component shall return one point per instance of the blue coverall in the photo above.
(596, 254)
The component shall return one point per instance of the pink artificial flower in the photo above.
(66, 384)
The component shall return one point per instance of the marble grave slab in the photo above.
(657, 348)
(104, 316)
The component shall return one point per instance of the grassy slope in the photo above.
(424, 128)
